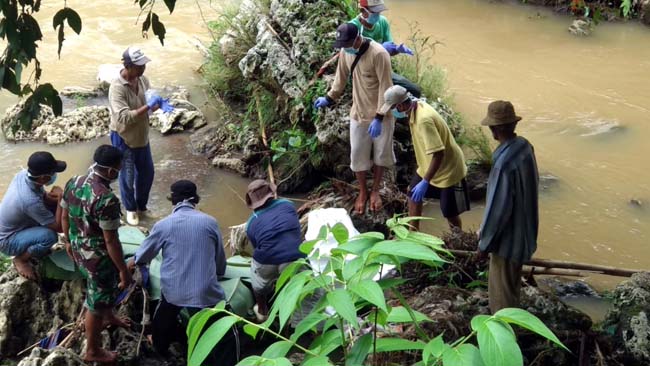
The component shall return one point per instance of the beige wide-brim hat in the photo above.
(500, 112)
(259, 191)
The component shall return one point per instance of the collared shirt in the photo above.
(511, 218)
(275, 233)
(371, 77)
(92, 208)
(193, 256)
(23, 206)
(431, 134)
(122, 102)
(379, 33)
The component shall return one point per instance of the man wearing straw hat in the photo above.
(511, 219)
(274, 231)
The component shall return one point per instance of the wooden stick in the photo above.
(529, 270)
(548, 263)
(264, 141)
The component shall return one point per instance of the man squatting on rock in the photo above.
(91, 219)
(371, 132)
(511, 217)
(30, 217)
(129, 128)
(193, 260)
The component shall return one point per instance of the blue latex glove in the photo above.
(165, 106)
(418, 192)
(375, 128)
(390, 47)
(154, 100)
(403, 49)
(321, 102)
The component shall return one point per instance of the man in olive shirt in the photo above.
(130, 131)
(441, 164)
(371, 133)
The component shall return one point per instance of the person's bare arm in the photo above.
(114, 248)
(436, 161)
(56, 225)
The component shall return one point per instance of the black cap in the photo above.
(43, 163)
(107, 155)
(345, 35)
(183, 189)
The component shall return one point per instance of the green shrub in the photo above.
(5, 263)
(346, 285)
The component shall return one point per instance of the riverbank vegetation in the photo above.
(600, 10)
(350, 321)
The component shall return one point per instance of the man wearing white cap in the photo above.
(130, 131)
(441, 166)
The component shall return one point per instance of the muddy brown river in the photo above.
(585, 103)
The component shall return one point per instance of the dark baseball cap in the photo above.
(107, 155)
(345, 35)
(43, 163)
(183, 189)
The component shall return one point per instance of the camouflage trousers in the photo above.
(102, 279)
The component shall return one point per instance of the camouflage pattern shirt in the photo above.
(93, 207)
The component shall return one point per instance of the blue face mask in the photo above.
(373, 18)
(399, 114)
(52, 180)
(351, 50)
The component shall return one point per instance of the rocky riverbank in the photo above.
(598, 10)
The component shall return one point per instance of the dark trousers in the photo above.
(136, 176)
(166, 328)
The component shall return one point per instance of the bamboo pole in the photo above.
(528, 270)
(549, 263)
(264, 140)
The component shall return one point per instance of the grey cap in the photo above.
(394, 95)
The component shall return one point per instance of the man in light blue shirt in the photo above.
(511, 219)
(30, 217)
(193, 260)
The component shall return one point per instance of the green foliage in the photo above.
(5, 262)
(21, 32)
(626, 8)
(346, 285)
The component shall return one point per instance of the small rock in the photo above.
(636, 202)
(80, 92)
(580, 27)
(233, 164)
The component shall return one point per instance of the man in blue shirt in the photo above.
(30, 217)
(274, 231)
(510, 224)
(193, 260)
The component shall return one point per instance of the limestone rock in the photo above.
(178, 120)
(80, 92)
(628, 317)
(580, 27)
(233, 164)
(553, 312)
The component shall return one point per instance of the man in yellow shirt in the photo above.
(441, 165)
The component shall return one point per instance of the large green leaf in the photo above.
(158, 28)
(400, 314)
(209, 339)
(326, 342)
(288, 272)
(497, 343)
(340, 233)
(398, 344)
(288, 297)
(406, 249)
(529, 321)
(277, 349)
(341, 301)
(356, 245)
(463, 355)
(370, 291)
(317, 361)
(308, 323)
(360, 350)
(195, 326)
(170, 5)
(434, 348)
(352, 268)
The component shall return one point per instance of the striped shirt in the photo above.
(193, 257)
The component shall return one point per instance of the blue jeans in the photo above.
(36, 240)
(136, 176)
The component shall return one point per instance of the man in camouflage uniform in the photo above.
(91, 218)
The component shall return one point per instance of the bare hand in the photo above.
(68, 249)
(56, 190)
(131, 264)
(125, 280)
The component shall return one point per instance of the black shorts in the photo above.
(454, 200)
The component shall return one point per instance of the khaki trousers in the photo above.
(504, 283)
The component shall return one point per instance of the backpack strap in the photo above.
(364, 47)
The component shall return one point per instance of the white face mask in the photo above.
(92, 167)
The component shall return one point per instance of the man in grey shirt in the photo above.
(510, 224)
(30, 217)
